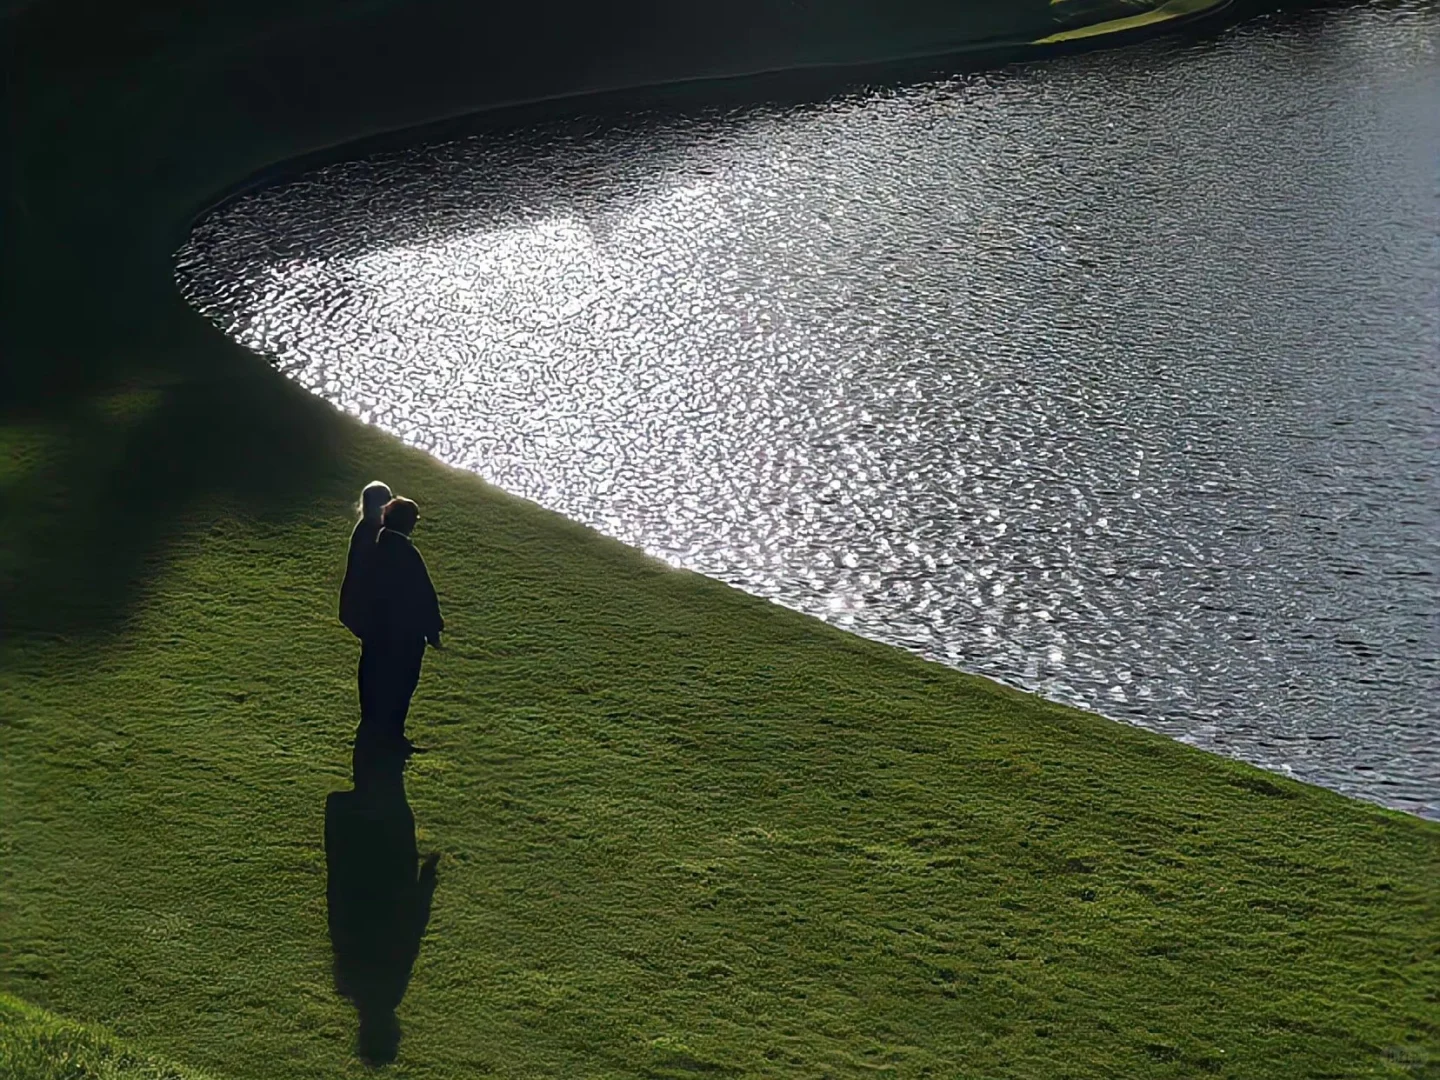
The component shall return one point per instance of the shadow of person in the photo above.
(378, 892)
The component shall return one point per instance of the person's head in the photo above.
(373, 500)
(400, 514)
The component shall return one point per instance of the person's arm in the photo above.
(349, 594)
(427, 604)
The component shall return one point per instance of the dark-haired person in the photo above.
(406, 615)
(355, 592)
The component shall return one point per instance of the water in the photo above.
(1114, 377)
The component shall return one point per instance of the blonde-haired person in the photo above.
(356, 591)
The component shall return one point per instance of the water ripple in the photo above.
(1113, 377)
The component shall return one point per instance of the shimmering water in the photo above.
(1114, 377)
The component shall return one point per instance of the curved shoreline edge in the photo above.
(174, 704)
(795, 82)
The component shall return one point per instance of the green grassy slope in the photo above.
(681, 831)
(35, 1045)
(677, 825)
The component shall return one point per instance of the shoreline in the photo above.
(781, 88)
(681, 828)
(795, 84)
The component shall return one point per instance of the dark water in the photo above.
(1114, 377)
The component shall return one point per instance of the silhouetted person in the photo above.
(356, 591)
(378, 891)
(405, 616)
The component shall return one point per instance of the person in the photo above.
(404, 616)
(356, 600)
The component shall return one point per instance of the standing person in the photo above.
(406, 615)
(356, 594)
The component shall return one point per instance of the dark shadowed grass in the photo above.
(94, 486)
(680, 831)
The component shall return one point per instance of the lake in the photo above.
(1113, 376)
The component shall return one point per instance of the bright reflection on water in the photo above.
(1113, 377)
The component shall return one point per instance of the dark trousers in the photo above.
(389, 673)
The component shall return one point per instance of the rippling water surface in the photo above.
(1115, 377)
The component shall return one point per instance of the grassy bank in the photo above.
(681, 831)
(676, 825)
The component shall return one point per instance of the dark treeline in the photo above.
(647, 39)
(156, 108)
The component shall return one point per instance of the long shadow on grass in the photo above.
(379, 892)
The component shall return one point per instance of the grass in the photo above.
(1160, 13)
(681, 831)
(35, 1045)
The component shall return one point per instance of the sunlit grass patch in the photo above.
(1164, 12)
(36, 1045)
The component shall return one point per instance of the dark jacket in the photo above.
(355, 602)
(404, 607)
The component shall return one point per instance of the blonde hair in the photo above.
(372, 500)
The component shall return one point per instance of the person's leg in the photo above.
(384, 682)
(365, 679)
(377, 686)
(407, 678)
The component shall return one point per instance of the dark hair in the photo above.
(400, 514)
